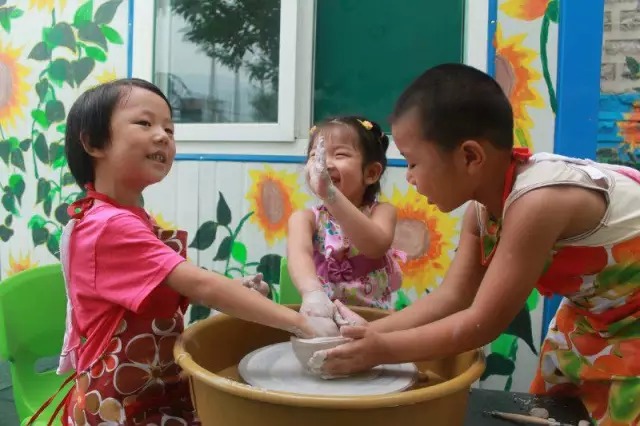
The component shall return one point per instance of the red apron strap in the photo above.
(50, 400)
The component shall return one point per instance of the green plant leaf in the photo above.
(106, 12)
(61, 35)
(40, 52)
(62, 127)
(5, 149)
(224, 250)
(14, 143)
(17, 185)
(56, 154)
(47, 206)
(42, 191)
(8, 220)
(270, 268)
(402, 300)
(239, 252)
(83, 14)
(53, 244)
(553, 11)
(199, 312)
(17, 159)
(91, 33)
(55, 111)
(60, 213)
(36, 221)
(16, 13)
(41, 149)
(633, 65)
(9, 202)
(532, 300)
(95, 53)
(39, 236)
(111, 34)
(5, 18)
(521, 327)
(502, 345)
(25, 145)
(82, 68)
(68, 179)
(60, 70)
(498, 365)
(5, 233)
(42, 88)
(204, 236)
(223, 212)
(40, 117)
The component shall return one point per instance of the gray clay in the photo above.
(584, 423)
(539, 412)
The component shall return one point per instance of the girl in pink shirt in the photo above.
(127, 281)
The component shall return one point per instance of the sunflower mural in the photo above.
(47, 5)
(274, 196)
(13, 86)
(426, 235)
(20, 263)
(515, 74)
(629, 128)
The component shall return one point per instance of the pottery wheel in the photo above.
(276, 368)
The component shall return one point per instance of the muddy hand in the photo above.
(319, 179)
(255, 282)
(345, 316)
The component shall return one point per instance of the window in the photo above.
(230, 68)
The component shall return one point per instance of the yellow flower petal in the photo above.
(13, 85)
(527, 10)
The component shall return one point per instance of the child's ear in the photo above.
(372, 173)
(91, 150)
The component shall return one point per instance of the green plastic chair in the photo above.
(288, 292)
(32, 322)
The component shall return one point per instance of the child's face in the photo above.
(439, 176)
(344, 162)
(142, 148)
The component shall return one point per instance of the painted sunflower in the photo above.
(20, 263)
(274, 196)
(48, 5)
(107, 75)
(629, 128)
(528, 10)
(426, 235)
(13, 85)
(516, 75)
(162, 222)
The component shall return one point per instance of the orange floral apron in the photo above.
(592, 349)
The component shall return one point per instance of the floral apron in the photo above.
(592, 349)
(136, 381)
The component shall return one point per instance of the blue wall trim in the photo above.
(250, 158)
(491, 33)
(578, 91)
(130, 40)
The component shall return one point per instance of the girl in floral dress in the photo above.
(341, 249)
(563, 225)
(127, 281)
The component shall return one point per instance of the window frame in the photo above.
(295, 77)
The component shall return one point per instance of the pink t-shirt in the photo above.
(117, 264)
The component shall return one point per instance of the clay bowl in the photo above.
(305, 348)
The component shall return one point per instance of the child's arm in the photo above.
(228, 296)
(457, 290)
(531, 228)
(372, 236)
(302, 269)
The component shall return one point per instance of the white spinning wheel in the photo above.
(276, 368)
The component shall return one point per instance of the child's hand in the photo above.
(319, 179)
(318, 327)
(255, 282)
(346, 316)
(316, 303)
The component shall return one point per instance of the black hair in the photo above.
(456, 102)
(90, 119)
(373, 144)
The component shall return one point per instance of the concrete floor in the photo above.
(8, 416)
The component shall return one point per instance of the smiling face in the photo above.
(141, 147)
(345, 161)
(445, 178)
